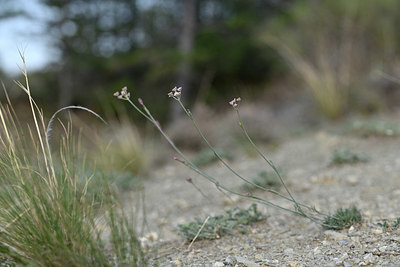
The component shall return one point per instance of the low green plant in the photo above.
(375, 128)
(263, 179)
(347, 156)
(47, 217)
(217, 226)
(343, 218)
(298, 208)
(205, 156)
(390, 226)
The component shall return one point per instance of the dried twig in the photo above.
(198, 233)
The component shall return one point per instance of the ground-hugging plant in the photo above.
(387, 226)
(347, 156)
(343, 218)
(216, 226)
(47, 217)
(299, 209)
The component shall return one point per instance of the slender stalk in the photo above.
(272, 165)
(290, 198)
(192, 166)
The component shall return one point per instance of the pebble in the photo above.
(288, 251)
(334, 235)
(230, 260)
(293, 263)
(383, 248)
(396, 239)
(241, 261)
(218, 264)
(378, 231)
(369, 258)
(177, 262)
(317, 250)
(352, 180)
(396, 192)
(270, 262)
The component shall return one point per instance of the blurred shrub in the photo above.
(207, 156)
(335, 46)
(124, 149)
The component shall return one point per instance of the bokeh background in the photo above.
(294, 62)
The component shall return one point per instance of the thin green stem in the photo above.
(272, 165)
(190, 115)
(192, 166)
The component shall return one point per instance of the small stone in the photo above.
(230, 260)
(396, 239)
(293, 263)
(334, 235)
(288, 251)
(241, 261)
(351, 229)
(317, 250)
(177, 262)
(369, 258)
(191, 255)
(382, 249)
(352, 180)
(378, 231)
(344, 242)
(180, 203)
(218, 264)
(346, 264)
(270, 262)
(326, 243)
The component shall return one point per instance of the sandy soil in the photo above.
(284, 239)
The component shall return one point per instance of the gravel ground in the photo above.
(284, 239)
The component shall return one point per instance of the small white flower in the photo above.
(235, 102)
(175, 93)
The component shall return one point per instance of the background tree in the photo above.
(209, 47)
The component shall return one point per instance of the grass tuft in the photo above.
(51, 214)
(347, 156)
(343, 218)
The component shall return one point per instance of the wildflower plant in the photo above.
(299, 209)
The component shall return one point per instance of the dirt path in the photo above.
(284, 239)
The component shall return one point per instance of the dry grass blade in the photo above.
(198, 233)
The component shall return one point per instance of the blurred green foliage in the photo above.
(336, 48)
(105, 45)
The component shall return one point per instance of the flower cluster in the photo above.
(124, 94)
(235, 102)
(176, 93)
